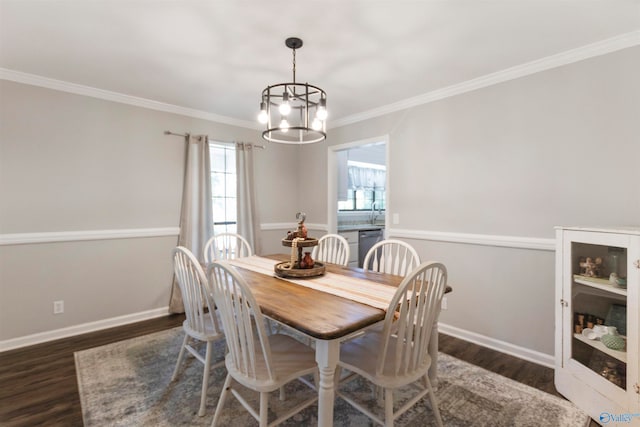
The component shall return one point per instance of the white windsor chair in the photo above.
(401, 348)
(226, 246)
(200, 324)
(392, 257)
(332, 248)
(261, 362)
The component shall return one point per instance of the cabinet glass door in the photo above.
(599, 309)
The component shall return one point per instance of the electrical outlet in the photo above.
(58, 307)
(443, 305)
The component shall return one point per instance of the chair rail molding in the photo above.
(519, 242)
(74, 236)
(269, 226)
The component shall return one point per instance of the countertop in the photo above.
(360, 227)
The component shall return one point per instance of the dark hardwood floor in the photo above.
(38, 384)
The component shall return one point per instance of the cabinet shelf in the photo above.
(620, 355)
(599, 284)
(587, 372)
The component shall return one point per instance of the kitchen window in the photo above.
(366, 187)
(223, 187)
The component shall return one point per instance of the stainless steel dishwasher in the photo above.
(366, 239)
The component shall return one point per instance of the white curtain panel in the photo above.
(196, 216)
(248, 223)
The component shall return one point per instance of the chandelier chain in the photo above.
(294, 65)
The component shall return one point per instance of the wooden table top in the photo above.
(315, 313)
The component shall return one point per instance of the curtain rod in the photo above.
(184, 135)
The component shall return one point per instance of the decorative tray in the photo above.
(283, 269)
(307, 242)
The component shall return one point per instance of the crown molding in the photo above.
(60, 85)
(603, 47)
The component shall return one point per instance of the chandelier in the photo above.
(294, 113)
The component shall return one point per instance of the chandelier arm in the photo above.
(316, 90)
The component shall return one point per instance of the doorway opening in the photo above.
(358, 182)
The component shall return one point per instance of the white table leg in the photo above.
(433, 352)
(327, 354)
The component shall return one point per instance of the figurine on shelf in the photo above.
(302, 229)
(590, 267)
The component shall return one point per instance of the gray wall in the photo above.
(71, 163)
(556, 148)
(515, 159)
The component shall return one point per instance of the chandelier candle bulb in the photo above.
(321, 114)
(285, 108)
(262, 116)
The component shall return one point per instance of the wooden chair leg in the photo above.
(434, 403)
(264, 408)
(223, 396)
(180, 357)
(388, 407)
(205, 379)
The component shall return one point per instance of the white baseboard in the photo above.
(501, 346)
(485, 341)
(84, 328)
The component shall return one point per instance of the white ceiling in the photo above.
(216, 56)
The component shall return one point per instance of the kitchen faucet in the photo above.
(373, 216)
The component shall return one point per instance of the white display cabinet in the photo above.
(597, 323)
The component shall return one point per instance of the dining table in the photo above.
(319, 308)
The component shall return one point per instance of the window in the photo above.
(223, 187)
(362, 200)
(366, 187)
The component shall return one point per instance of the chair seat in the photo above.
(289, 360)
(210, 333)
(372, 343)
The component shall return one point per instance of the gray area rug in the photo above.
(128, 384)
